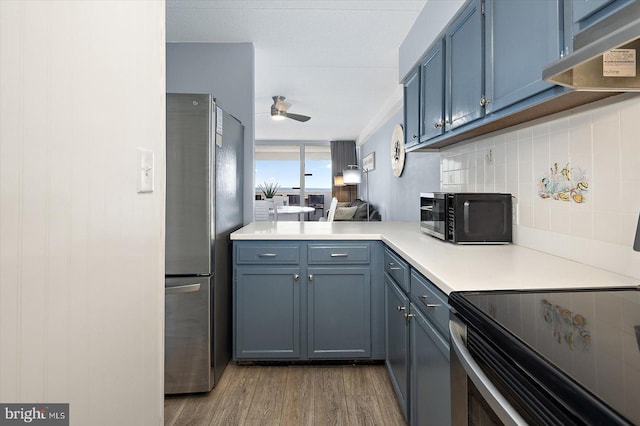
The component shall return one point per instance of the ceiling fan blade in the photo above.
(297, 117)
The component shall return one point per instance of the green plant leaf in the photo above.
(269, 189)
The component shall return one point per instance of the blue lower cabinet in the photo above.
(308, 300)
(397, 331)
(417, 352)
(338, 312)
(430, 381)
(267, 312)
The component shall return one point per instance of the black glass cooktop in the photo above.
(592, 336)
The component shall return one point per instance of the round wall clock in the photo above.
(397, 150)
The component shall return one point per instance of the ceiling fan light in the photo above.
(278, 115)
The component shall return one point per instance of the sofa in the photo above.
(356, 210)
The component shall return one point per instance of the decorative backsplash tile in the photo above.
(566, 184)
(588, 157)
(599, 143)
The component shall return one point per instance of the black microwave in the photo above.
(467, 218)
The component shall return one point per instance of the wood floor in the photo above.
(293, 395)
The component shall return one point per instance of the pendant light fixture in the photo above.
(352, 175)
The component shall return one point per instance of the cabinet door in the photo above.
(585, 13)
(465, 78)
(339, 312)
(412, 108)
(582, 9)
(397, 329)
(430, 377)
(267, 312)
(513, 63)
(432, 93)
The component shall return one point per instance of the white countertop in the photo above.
(449, 266)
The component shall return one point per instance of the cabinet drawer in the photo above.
(339, 254)
(268, 254)
(397, 269)
(430, 301)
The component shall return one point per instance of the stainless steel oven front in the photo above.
(475, 399)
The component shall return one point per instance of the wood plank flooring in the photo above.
(291, 395)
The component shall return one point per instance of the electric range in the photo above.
(569, 356)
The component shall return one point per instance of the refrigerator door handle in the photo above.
(188, 288)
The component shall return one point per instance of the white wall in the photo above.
(81, 252)
(227, 71)
(602, 140)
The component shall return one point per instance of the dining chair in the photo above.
(332, 209)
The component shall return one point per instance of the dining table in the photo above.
(291, 210)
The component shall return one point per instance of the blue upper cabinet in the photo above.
(513, 62)
(490, 66)
(585, 13)
(432, 93)
(583, 9)
(465, 71)
(412, 108)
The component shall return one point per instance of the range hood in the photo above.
(605, 56)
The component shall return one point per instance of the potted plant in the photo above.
(269, 189)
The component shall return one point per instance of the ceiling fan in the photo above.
(279, 110)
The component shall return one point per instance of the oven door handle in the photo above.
(489, 392)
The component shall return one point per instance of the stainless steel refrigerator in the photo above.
(203, 206)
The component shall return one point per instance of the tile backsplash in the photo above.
(575, 176)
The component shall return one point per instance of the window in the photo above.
(303, 172)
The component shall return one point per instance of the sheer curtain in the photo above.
(343, 153)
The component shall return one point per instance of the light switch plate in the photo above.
(145, 170)
(636, 243)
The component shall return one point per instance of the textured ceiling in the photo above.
(336, 61)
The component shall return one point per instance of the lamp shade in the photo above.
(338, 180)
(352, 175)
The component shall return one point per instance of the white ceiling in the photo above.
(334, 60)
